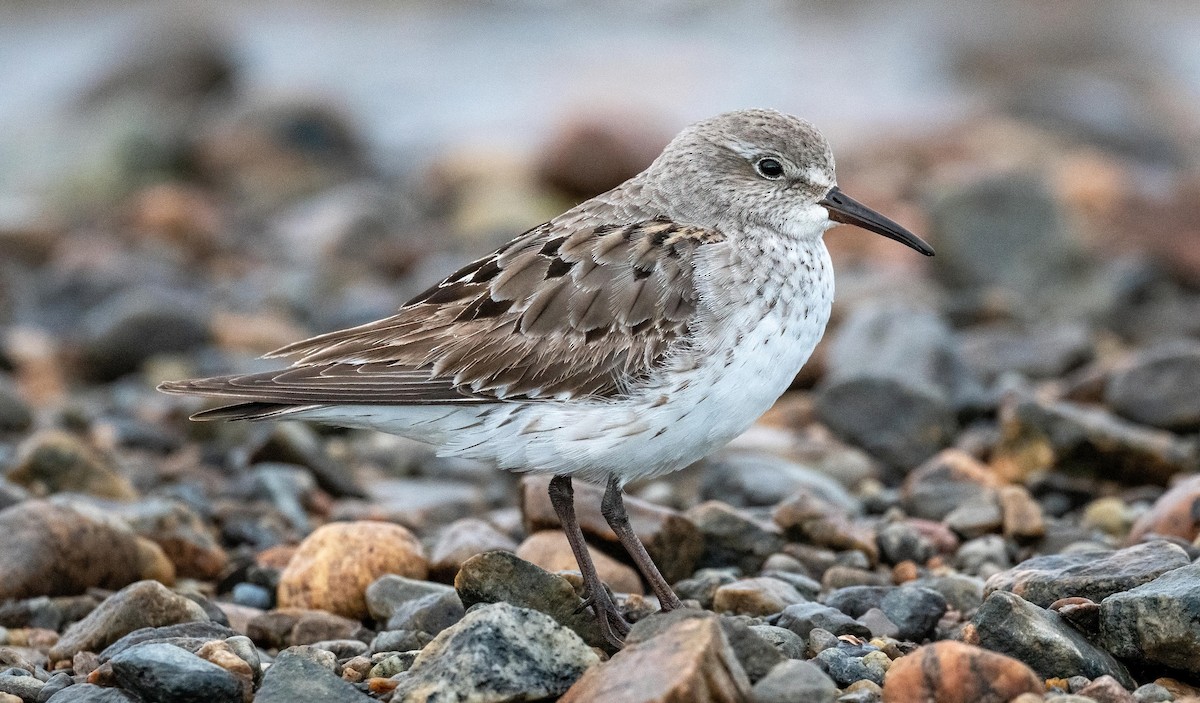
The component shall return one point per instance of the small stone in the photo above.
(953, 672)
(1089, 574)
(802, 618)
(498, 652)
(325, 659)
(238, 656)
(690, 661)
(15, 415)
(731, 538)
(1160, 386)
(53, 461)
(589, 154)
(1106, 689)
(495, 577)
(430, 614)
(671, 539)
(252, 596)
(390, 592)
(187, 635)
(1045, 351)
(90, 693)
(1022, 516)
(756, 596)
(399, 641)
(182, 534)
(1152, 693)
(900, 542)
(702, 586)
(550, 550)
(165, 672)
(462, 540)
(795, 682)
(845, 666)
(389, 666)
(287, 627)
(334, 565)
(1040, 638)
(294, 678)
(915, 611)
(123, 332)
(1113, 516)
(878, 623)
(298, 444)
(1174, 514)
(789, 644)
(806, 518)
(142, 604)
(1157, 623)
(342, 649)
(24, 685)
(977, 516)
(54, 684)
(953, 477)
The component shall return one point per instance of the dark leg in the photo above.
(612, 624)
(613, 509)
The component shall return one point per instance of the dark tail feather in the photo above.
(250, 411)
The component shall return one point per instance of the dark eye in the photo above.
(769, 168)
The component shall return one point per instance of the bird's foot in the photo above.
(612, 623)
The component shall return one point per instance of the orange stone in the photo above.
(1174, 514)
(550, 550)
(953, 672)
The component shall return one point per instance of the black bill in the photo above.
(842, 208)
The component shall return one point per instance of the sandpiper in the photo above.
(628, 337)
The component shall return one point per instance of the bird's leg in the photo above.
(613, 508)
(613, 626)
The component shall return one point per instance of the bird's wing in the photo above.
(556, 313)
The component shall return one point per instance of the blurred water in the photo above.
(420, 73)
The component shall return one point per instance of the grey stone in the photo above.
(138, 605)
(795, 681)
(879, 624)
(391, 592)
(1152, 693)
(752, 479)
(1089, 574)
(123, 332)
(846, 666)
(963, 593)
(54, 684)
(498, 652)
(789, 644)
(91, 693)
(342, 649)
(294, 678)
(802, 618)
(1160, 387)
(983, 556)
(755, 654)
(19, 683)
(188, 635)
(1157, 623)
(252, 595)
(1044, 351)
(1010, 625)
(702, 586)
(294, 443)
(894, 379)
(977, 516)
(914, 610)
(393, 664)
(432, 613)
(732, 538)
(900, 541)
(163, 673)
(15, 415)
(857, 600)
(399, 641)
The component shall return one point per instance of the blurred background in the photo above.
(184, 186)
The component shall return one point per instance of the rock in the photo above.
(550, 550)
(963, 593)
(1038, 434)
(1159, 387)
(672, 540)
(498, 652)
(1008, 624)
(53, 461)
(1152, 693)
(120, 334)
(788, 643)
(23, 686)
(430, 614)
(857, 600)
(690, 662)
(802, 618)
(462, 540)
(934, 489)
(953, 672)
(756, 655)
(54, 684)
(1044, 351)
(90, 693)
(589, 154)
(142, 604)
(237, 655)
(1174, 514)
(292, 678)
(808, 519)
(900, 541)
(795, 682)
(914, 610)
(1022, 516)
(420, 504)
(187, 635)
(753, 478)
(15, 415)
(390, 593)
(495, 577)
(399, 641)
(1106, 689)
(295, 443)
(756, 596)
(162, 672)
(984, 556)
(893, 382)
(252, 596)
(288, 627)
(847, 663)
(1157, 623)
(702, 586)
(977, 516)
(334, 565)
(49, 549)
(731, 538)
(1089, 574)
(181, 533)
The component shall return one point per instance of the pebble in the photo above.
(184, 536)
(789, 644)
(1160, 387)
(141, 604)
(23, 684)
(1106, 689)
(550, 550)
(671, 539)
(802, 618)
(732, 538)
(1173, 515)
(795, 681)
(495, 577)
(319, 576)
(298, 444)
(163, 672)
(703, 585)
(1008, 624)
(1152, 693)
(90, 693)
(1089, 574)
(15, 415)
(689, 661)
(951, 478)
(461, 540)
(1156, 623)
(187, 635)
(1043, 351)
(845, 665)
(914, 610)
(900, 541)
(498, 652)
(756, 596)
(292, 677)
(391, 592)
(757, 479)
(53, 461)
(286, 627)
(954, 672)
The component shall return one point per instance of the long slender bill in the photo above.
(842, 208)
